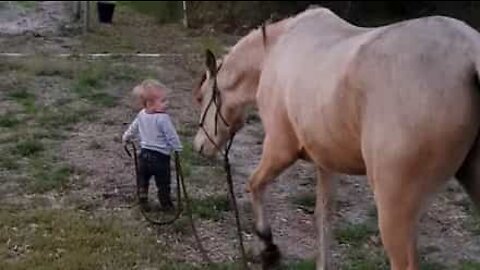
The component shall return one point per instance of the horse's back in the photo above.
(351, 92)
(421, 102)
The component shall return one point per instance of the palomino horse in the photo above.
(399, 103)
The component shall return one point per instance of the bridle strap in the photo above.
(217, 101)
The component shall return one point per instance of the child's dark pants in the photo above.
(154, 163)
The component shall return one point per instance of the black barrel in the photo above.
(105, 11)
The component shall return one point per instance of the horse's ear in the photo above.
(211, 62)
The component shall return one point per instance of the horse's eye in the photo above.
(199, 99)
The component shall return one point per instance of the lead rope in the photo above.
(216, 100)
(233, 200)
(180, 187)
(178, 168)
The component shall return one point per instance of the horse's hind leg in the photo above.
(469, 174)
(275, 158)
(323, 213)
(399, 201)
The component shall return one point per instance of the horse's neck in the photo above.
(253, 52)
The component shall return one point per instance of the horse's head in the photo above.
(221, 95)
(227, 88)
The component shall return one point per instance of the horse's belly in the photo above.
(333, 150)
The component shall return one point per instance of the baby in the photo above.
(158, 139)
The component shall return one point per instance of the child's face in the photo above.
(155, 99)
(153, 94)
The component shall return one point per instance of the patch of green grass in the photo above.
(305, 200)
(212, 44)
(364, 259)
(354, 234)
(433, 266)
(190, 159)
(182, 226)
(47, 178)
(24, 98)
(187, 129)
(28, 147)
(299, 265)
(103, 99)
(42, 66)
(8, 162)
(9, 120)
(27, 4)
(221, 266)
(469, 265)
(372, 212)
(20, 94)
(92, 76)
(212, 207)
(162, 11)
(128, 73)
(7, 65)
(472, 224)
(66, 239)
(95, 145)
(64, 116)
(45, 173)
(91, 83)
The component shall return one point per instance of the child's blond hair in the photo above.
(149, 91)
(153, 84)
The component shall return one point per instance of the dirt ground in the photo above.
(449, 231)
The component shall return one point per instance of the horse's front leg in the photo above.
(275, 159)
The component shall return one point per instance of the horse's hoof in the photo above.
(270, 257)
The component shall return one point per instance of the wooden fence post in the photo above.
(185, 17)
(86, 16)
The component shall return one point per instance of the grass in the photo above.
(27, 4)
(8, 120)
(28, 147)
(41, 168)
(64, 239)
(433, 266)
(42, 66)
(95, 145)
(64, 117)
(182, 226)
(212, 207)
(47, 176)
(24, 98)
(212, 44)
(8, 162)
(299, 265)
(354, 234)
(91, 83)
(364, 260)
(163, 12)
(191, 159)
(187, 129)
(360, 254)
(469, 265)
(306, 200)
(472, 224)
